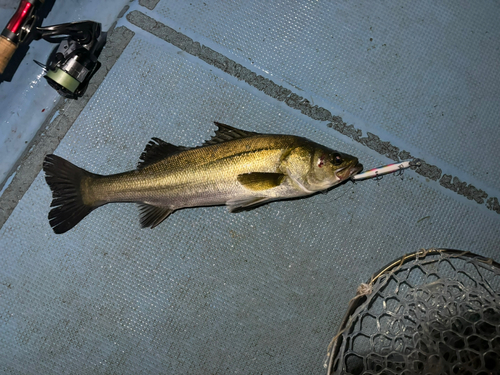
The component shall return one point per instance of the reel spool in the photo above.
(436, 311)
(74, 62)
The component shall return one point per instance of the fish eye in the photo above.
(336, 159)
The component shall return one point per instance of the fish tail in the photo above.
(65, 181)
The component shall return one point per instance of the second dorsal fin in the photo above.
(157, 150)
(226, 133)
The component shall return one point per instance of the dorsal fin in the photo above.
(226, 133)
(157, 150)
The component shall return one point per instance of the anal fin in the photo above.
(151, 216)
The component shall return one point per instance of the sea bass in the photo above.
(236, 168)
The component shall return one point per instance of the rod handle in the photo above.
(7, 49)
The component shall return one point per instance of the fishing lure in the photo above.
(390, 168)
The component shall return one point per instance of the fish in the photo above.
(236, 168)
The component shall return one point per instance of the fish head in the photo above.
(329, 168)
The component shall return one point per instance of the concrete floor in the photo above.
(261, 291)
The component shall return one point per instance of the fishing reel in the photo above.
(73, 62)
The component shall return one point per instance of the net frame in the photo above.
(335, 361)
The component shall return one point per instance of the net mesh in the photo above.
(432, 312)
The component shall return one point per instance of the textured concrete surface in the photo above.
(315, 112)
(55, 127)
(26, 99)
(261, 291)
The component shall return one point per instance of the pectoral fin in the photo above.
(258, 181)
(151, 216)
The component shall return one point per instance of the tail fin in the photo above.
(65, 180)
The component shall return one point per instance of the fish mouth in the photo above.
(347, 172)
